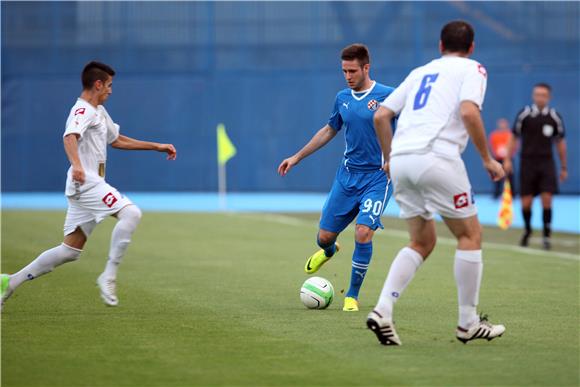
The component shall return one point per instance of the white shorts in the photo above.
(428, 183)
(91, 207)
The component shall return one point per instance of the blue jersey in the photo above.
(354, 112)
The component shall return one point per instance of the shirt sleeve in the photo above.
(335, 120)
(395, 101)
(517, 128)
(112, 128)
(560, 131)
(474, 85)
(78, 122)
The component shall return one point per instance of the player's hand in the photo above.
(78, 174)
(169, 149)
(508, 166)
(495, 170)
(286, 165)
(563, 174)
(387, 169)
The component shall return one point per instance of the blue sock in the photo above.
(360, 264)
(329, 249)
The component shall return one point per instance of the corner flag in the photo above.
(225, 149)
(506, 213)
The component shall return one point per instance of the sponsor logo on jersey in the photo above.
(80, 111)
(460, 200)
(395, 294)
(109, 199)
(482, 70)
(373, 105)
(345, 104)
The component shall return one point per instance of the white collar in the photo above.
(366, 92)
(536, 109)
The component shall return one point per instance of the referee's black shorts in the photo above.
(537, 175)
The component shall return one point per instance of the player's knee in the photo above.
(131, 214)
(325, 239)
(68, 253)
(424, 247)
(363, 234)
(471, 240)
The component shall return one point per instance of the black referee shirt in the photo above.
(537, 129)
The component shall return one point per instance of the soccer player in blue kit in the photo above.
(361, 189)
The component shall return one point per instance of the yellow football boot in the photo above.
(350, 304)
(317, 259)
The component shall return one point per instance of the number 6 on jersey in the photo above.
(424, 91)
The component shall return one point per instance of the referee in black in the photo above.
(538, 126)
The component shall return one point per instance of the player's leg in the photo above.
(468, 270)
(67, 251)
(405, 172)
(128, 220)
(527, 191)
(402, 271)
(373, 201)
(527, 201)
(547, 219)
(338, 211)
(548, 186)
(406, 263)
(361, 258)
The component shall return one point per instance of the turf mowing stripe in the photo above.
(291, 221)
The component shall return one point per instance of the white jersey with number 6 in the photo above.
(428, 103)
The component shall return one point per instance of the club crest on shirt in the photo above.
(482, 70)
(373, 105)
(460, 200)
(80, 111)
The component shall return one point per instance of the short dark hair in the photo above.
(356, 51)
(95, 71)
(544, 85)
(457, 36)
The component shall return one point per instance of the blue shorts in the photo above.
(356, 194)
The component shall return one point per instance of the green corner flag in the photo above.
(225, 149)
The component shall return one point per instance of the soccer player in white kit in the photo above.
(89, 129)
(439, 108)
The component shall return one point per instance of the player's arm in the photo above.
(72, 152)
(471, 118)
(561, 148)
(128, 143)
(384, 130)
(511, 148)
(320, 139)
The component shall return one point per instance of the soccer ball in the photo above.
(316, 293)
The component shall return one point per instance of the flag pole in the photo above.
(222, 186)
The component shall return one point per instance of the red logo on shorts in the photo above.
(461, 200)
(109, 199)
(80, 111)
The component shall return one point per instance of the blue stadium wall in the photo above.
(268, 71)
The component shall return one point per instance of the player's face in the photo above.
(355, 74)
(104, 89)
(541, 96)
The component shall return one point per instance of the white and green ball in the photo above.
(316, 293)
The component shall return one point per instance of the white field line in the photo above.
(292, 221)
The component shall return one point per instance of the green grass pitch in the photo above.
(213, 299)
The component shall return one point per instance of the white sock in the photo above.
(468, 270)
(401, 273)
(44, 263)
(128, 219)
